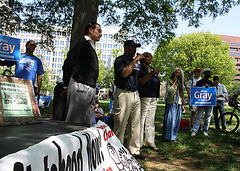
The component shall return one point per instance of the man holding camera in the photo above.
(126, 98)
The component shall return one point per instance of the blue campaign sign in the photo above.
(9, 48)
(202, 96)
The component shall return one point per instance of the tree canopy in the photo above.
(203, 50)
(146, 19)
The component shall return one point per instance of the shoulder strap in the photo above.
(192, 81)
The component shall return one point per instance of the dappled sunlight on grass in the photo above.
(219, 151)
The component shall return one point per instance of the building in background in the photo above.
(54, 59)
(234, 51)
(106, 45)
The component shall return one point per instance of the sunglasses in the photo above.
(33, 45)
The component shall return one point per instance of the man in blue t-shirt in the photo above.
(29, 66)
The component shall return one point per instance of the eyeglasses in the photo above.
(33, 45)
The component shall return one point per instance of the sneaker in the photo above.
(193, 134)
(205, 134)
(140, 157)
(167, 141)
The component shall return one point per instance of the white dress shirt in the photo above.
(221, 90)
(90, 41)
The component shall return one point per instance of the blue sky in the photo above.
(229, 24)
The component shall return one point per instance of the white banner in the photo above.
(95, 148)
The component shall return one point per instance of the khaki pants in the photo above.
(127, 112)
(148, 110)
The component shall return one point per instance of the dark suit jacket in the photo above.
(81, 64)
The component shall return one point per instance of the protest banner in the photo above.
(9, 48)
(202, 96)
(17, 102)
(95, 148)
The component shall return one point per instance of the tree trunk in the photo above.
(85, 11)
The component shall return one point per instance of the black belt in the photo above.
(129, 89)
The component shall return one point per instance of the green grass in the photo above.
(220, 151)
(217, 152)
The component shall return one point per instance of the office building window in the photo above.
(233, 49)
(110, 46)
(115, 46)
(234, 54)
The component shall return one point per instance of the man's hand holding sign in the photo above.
(203, 96)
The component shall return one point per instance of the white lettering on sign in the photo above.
(206, 96)
(7, 47)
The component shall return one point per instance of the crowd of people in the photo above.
(135, 94)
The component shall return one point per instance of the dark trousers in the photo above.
(220, 107)
(59, 104)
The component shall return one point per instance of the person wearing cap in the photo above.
(205, 82)
(80, 74)
(192, 83)
(221, 93)
(126, 98)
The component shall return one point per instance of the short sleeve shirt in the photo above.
(192, 82)
(131, 82)
(28, 67)
(150, 88)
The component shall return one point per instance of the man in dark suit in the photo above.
(80, 73)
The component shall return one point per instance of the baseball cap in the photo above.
(207, 69)
(197, 69)
(131, 43)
